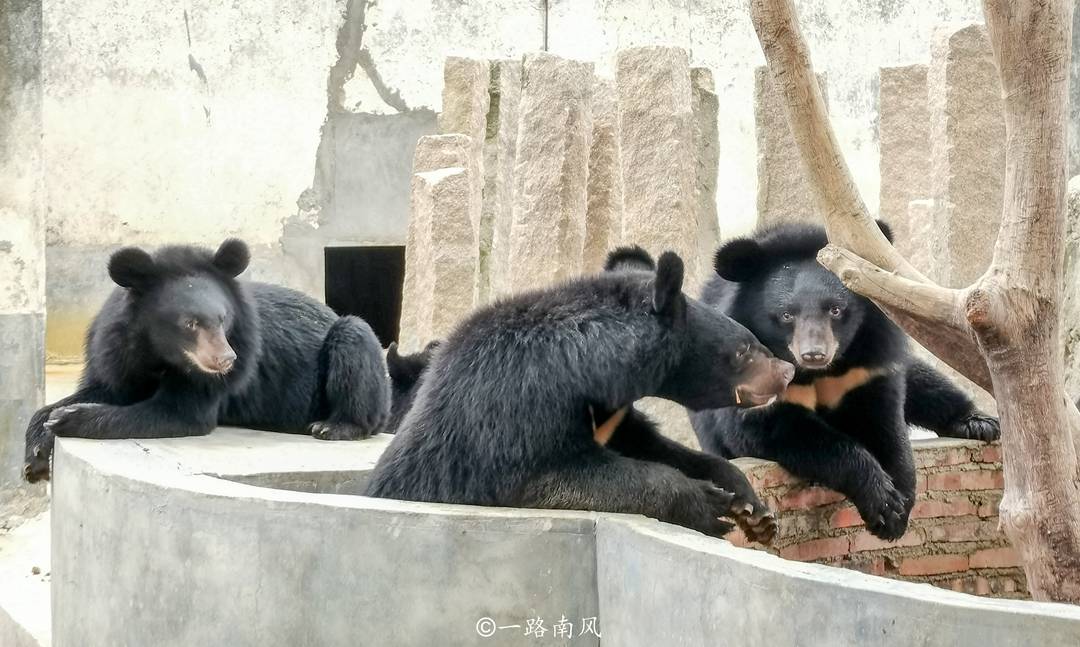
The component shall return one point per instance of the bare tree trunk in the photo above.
(1002, 332)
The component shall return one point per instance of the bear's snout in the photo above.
(212, 353)
(768, 381)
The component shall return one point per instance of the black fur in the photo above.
(629, 258)
(297, 365)
(406, 372)
(505, 413)
(772, 284)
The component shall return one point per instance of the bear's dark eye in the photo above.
(191, 324)
(835, 311)
(786, 317)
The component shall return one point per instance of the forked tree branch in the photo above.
(926, 301)
(848, 222)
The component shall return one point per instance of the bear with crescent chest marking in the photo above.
(842, 422)
(181, 346)
(529, 403)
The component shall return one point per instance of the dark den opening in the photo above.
(367, 282)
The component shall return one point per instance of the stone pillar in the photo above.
(967, 134)
(465, 99)
(440, 235)
(904, 136)
(656, 123)
(465, 103)
(500, 155)
(783, 192)
(22, 249)
(921, 234)
(1070, 304)
(604, 217)
(427, 209)
(706, 110)
(547, 235)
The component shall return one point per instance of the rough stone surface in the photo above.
(968, 151)
(921, 235)
(656, 123)
(706, 110)
(1070, 304)
(465, 99)
(547, 235)
(443, 251)
(783, 192)
(604, 219)
(500, 155)
(432, 153)
(904, 147)
(22, 245)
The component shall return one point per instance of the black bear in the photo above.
(841, 421)
(528, 403)
(405, 377)
(182, 346)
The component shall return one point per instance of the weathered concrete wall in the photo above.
(249, 566)
(244, 565)
(22, 246)
(661, 583)
(291, 124)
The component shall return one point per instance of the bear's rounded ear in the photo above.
(132, 267)
(232, 257)
(668, 283)
(629, 258)
(393, 362)
(885, 229)
(737, 260)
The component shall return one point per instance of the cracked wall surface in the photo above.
(22, 250)
(292, 123)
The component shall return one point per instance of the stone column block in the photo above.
(547, 235)
(604, 217)
(706, 110)
(783, 192)
(500, 155)
(967, 134)
(904, 136)
(442, 252)
(435, 153)
(656, 122)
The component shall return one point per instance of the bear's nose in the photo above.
(813, 357)
(225, 361)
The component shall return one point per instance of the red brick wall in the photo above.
(953, 540)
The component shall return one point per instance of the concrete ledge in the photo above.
(169, 542)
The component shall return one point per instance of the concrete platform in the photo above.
(249, 538)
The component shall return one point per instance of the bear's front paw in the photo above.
(884, 509)
(36, 467)
(977, 426)
(717, 503)
(326, 430)
(757, 522)
(67, 421)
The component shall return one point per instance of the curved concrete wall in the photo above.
(168, 542)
